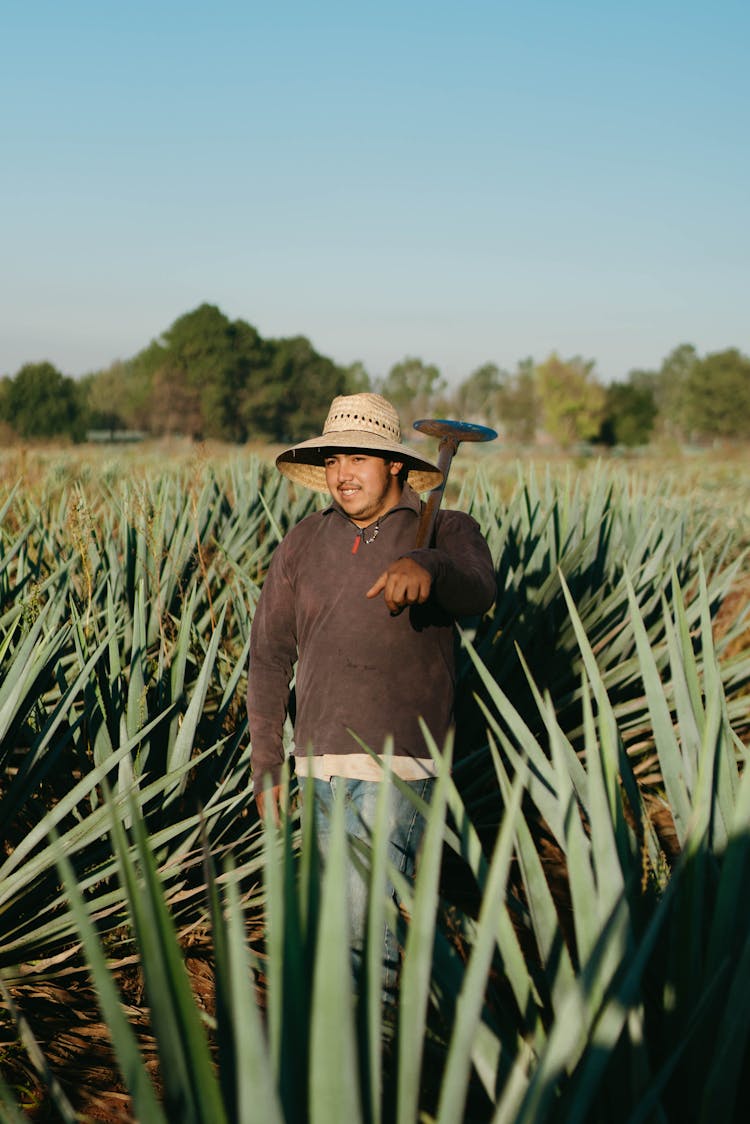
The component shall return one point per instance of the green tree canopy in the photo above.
(717, 396)
(216, 359)
(671, 390)
(104, 394)
(521, 407)
(572, 399)
(207, 375)
(213, 377)
(176, 405)
(42, 402)
(358, 380)
(413, 387)
(290, 400)
(629, 411)
(479, 397)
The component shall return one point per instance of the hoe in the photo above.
(450, 435)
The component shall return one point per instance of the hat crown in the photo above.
(366, 422)
(368, 413)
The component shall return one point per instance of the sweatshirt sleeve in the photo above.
(273, 651)
(460, 565)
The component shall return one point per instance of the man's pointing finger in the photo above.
(379, 585)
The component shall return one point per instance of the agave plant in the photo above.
(588, 540)
(638, 1010)
(608, 737)
(111, 675)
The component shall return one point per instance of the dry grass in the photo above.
(65, 1021)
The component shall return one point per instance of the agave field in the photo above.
(576, 946)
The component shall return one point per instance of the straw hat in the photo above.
(365, 422)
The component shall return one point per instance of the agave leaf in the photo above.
(334, 1088)
(244, 1064)
(371, 998)
(551, 947)
(471, 1000)
(687, 953)
(575, 769)
(179, 661)
(601, 811)
(137, 682)
(540, 768)
(577, 851)
(297, 979)
(129, 1058)
(486, 1047)
(256, 1096)
(288, 980)
(649, 1100)
(44, 752)
(686, 674)
(415, 972)
(278, 533)
(727, 775)
(181, 749)
(607, 718)
(26, 872)
(190, 1087)
(23, 853)
(708, 831)
(670, 758)
(275, 851)
(568, 1037)
(731, 914)
(30, 662)
(722, 1083)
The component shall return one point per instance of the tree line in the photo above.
(211, 377)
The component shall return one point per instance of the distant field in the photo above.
(715, 481)
(714, 485)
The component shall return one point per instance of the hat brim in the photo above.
(303, 463)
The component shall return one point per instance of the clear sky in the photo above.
(463, 182)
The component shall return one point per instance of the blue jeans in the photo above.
(405, 830)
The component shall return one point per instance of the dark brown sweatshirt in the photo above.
(360, 669)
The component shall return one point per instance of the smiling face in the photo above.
(365, 486)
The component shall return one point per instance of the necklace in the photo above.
(361, 537)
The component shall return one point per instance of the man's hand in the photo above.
(404, 583)
(274, 795)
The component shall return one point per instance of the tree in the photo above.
(139, 376)
(671, 388)
(5, 387)
(190, 380)
(105, 397)
(572, 399)
(175, 404)
(358, 380)
(215, 377)
(290, 398)
(717, 396)
(121, 395)
(412, 386)
(520, 406)
(42, 402)
(478, 398)
(217, 359)
(629, 411)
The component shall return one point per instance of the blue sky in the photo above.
(464, 182)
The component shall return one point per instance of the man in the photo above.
(333, 601)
